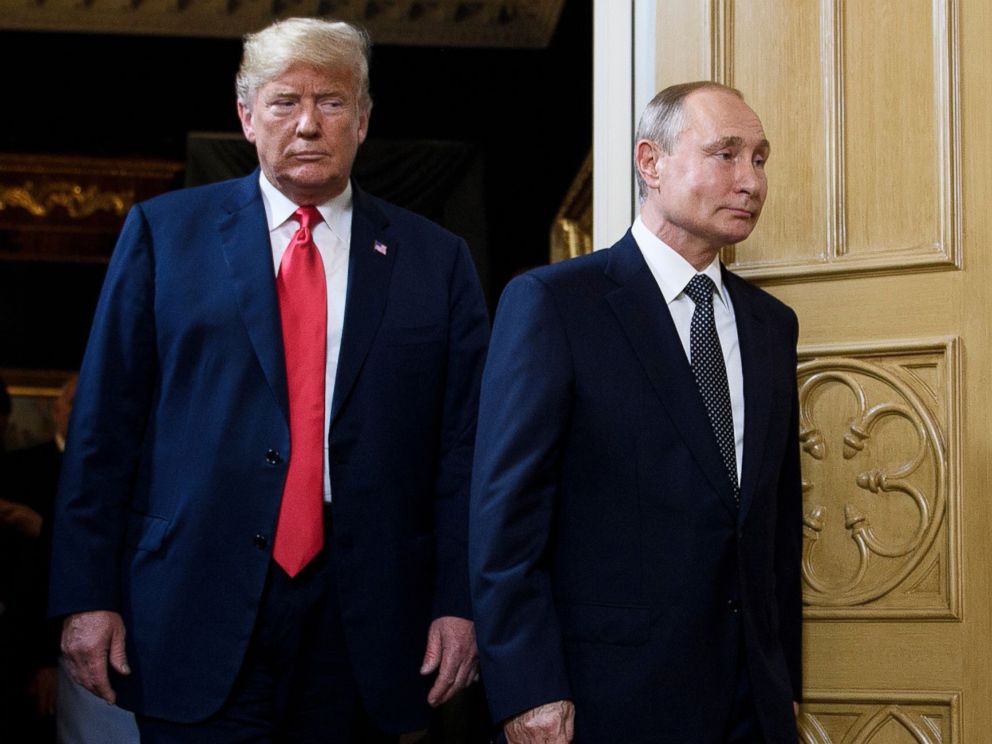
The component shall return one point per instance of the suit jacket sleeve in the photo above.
(789, 541)
(105, 440)
(467, 341)
(523, 417)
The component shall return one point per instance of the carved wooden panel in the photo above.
(859, 100)
(794, 226)
(878, 430)
(879, 718)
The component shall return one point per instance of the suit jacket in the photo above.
(179, 445)
(609, 563)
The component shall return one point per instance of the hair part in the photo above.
(664, 119)
(325, 45)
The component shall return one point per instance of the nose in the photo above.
(750, 178)
(307, 125)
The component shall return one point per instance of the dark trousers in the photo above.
(743, 727)
(296, 685)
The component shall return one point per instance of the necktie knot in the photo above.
(307, 217)
(700, 289)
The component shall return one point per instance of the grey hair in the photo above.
(325, 45)
(664, 119)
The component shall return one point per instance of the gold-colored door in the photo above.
(877, 230)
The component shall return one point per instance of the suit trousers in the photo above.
(743, 726)
(296, 684)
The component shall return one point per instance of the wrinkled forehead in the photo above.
(717, 114)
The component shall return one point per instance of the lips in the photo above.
(741, 212)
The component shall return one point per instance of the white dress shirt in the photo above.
(673, 273)
(333, 240)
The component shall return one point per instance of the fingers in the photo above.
(457, 661)
(569, 721)
(450, 682)
(88, 638)
(432, 656)
(468, 673)
(447, 675)
(552, 723)
(118, 656)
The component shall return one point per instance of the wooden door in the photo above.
(877, 231)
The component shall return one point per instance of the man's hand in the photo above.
(452, 653)
(22, 518)
(89, 639)
(552, 723)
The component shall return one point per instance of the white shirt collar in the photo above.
(336, 211)
(670, 270)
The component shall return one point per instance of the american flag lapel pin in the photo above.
(380, 248)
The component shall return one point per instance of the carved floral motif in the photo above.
(874, 480)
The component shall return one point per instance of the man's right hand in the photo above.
(552, 723)
(89, 640)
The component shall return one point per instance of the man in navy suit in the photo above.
(228, 605)
(635, 526)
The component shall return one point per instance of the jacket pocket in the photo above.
(596, 623)
(146, 531)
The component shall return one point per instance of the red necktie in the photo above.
(302, 290)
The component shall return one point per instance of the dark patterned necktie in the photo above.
(706, 357)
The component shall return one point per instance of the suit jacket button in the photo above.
(734, 606)
(261, 542)
(272, 457)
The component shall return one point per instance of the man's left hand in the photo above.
(452, 653)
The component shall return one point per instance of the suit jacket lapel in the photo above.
(640, 307)
(369, 272)
(244, 235)
(752, 334)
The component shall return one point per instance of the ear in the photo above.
(244, 114)
(363, 124)
(649, 160)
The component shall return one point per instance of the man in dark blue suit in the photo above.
(266, 542)
(635, 526)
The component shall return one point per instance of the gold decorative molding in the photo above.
(571, 232)
(470, 23)
(879, 432)
(55, 208)
(40, 200)
(879, 717)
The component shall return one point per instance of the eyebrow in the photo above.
(734, 141)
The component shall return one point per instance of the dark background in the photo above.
(528, 112)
